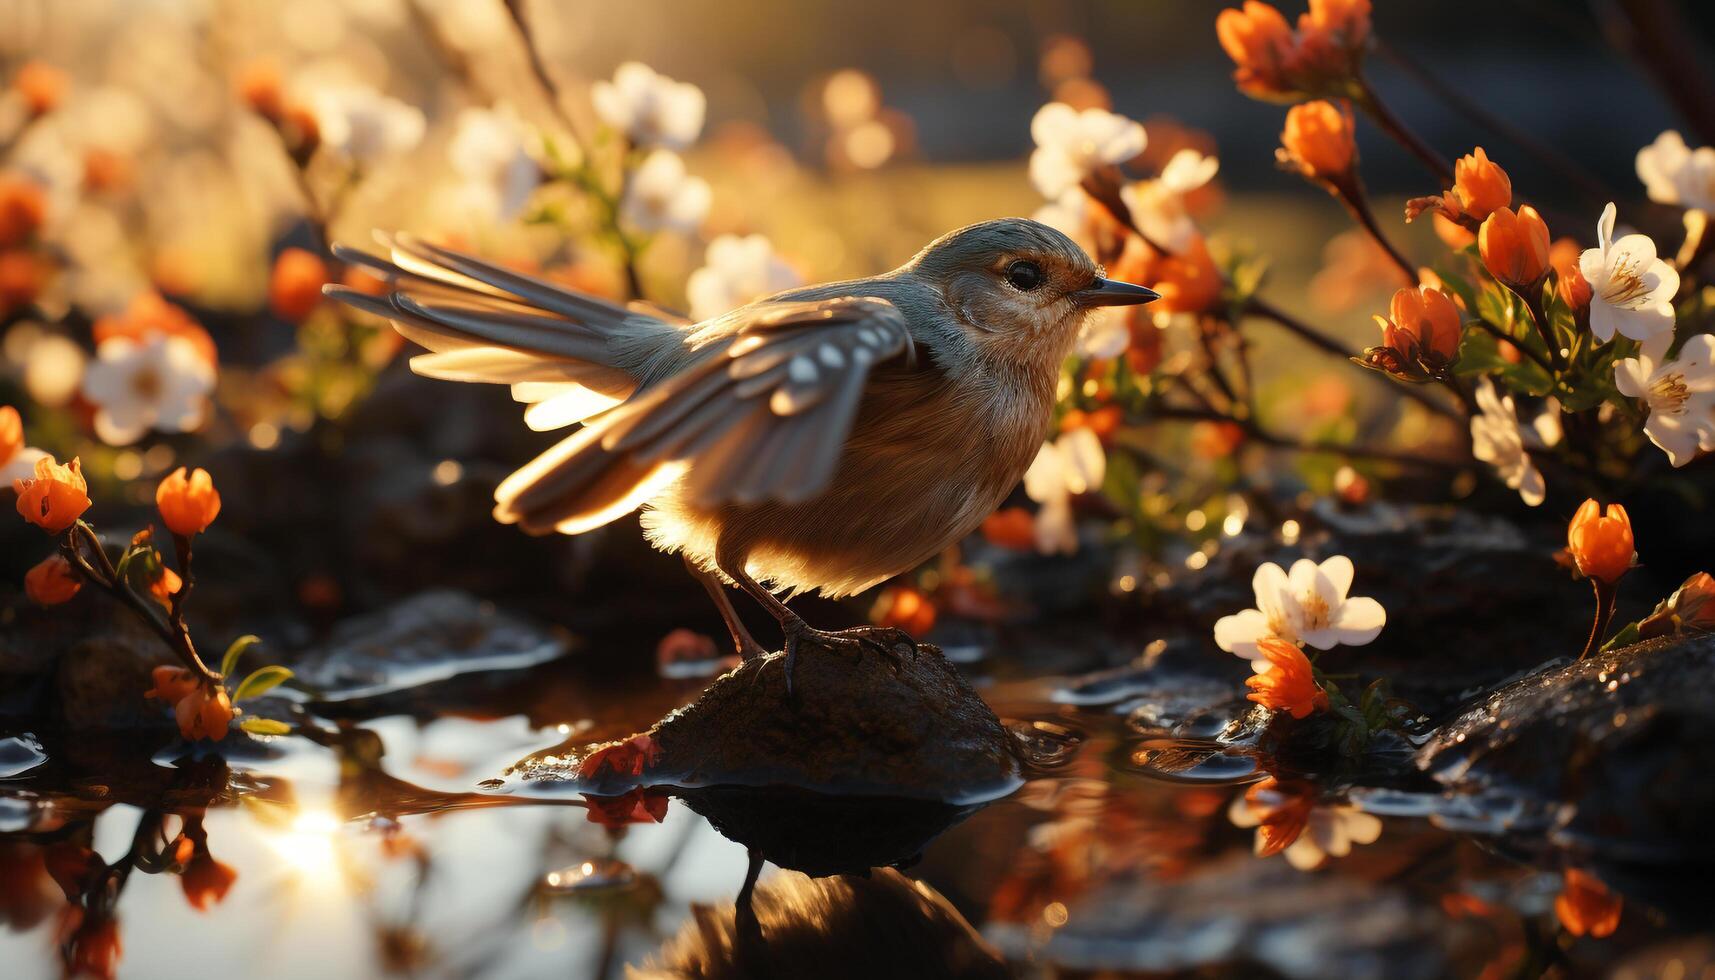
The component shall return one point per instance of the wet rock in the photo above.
(851, 726)
(1611, 754)
(84, 664)
(429, 637)
(1247, 914)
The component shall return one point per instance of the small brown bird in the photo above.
(827, 438)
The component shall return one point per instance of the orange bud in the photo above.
(1569, 282)
(55, 497)
(1515, 246)
(51, 582)
(1349, 20)
(206, 712)
(261, 86)
(23, 208)
(295, 288)
(1424, 324)
(41, 86)
(1010, 527)
(165, 585)
(188, 504)
(172, 684)
(1290, 685)
(1318, 140)
(1690, 608)
(206, 881)
(1259, 40)
(1585, 906)
(1601, 545)
(11, 433)
(1480, 185)
(1189, 282)
(904, 608)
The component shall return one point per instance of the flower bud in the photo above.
(188, 504)
(1691, 608)
(206, 712)
(1259, 40)
(1318, 140)
(55, 497)
(295, 287)
(1515, 246)
(51, 582)
(1569, 282)
(1480, 185)
(172, 684)
(1601, 545)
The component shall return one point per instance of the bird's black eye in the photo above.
(1024, 275)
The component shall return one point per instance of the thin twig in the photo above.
(1254, 431)
(1372, 105)
(1351, 194)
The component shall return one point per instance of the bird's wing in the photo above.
(566, 353)
(761, 414)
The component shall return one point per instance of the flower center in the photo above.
(1281, 626)
(1669, 394)
(1626, 284)
(1315, 611)
(146, 384)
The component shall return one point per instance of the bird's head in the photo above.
(1019, 290)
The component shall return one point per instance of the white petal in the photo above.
(1361, 827)
(1531, 488)
(1272, 588)
(1631, 377)
(1242, 814)
(1045, 480)
(1604, 319)
(1053, 124)
(1605, 226)
(1359, 620)
(1304, 854)
(1680, 442)
(1088, 464)
(1238, 633)
(1055, 530)
(1337, 571)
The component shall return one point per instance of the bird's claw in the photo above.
(887, 641)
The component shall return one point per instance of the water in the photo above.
(378, 847)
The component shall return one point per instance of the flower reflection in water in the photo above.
(1290, 820)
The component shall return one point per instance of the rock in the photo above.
(429, 637)
(84, 664)
(851, 727)
(1610, 754)
(1241, 916)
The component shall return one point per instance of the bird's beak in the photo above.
(1107, 292)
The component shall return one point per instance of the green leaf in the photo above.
(1627, 636)
(265, 726)
(261, 681)
(238, 648)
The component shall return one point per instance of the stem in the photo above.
(1387, 122)
(1532, 296)
(1310, 335)
(177, 637)
(1605, 595)
(1351, 194)
(1500, 334)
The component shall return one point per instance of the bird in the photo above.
(826, 438)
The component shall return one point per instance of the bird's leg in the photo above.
(792, 625)
(748, 648)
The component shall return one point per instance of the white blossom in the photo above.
(366, 125)
(662, 196)
(160, 383)
(1673, 173)
(1631, 291)
(1071, 144)
(1497, 439)
(1068, 466)
(737, 270)
(1329, 830)
(490, 152)
(1158, 206)
(651, 109)
(1307, 605)
(1680, 394)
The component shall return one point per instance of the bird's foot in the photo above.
(887, 641)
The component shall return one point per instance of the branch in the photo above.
(1257, 433)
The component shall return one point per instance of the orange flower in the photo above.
(1691, 607)
(1480, 185)
(1318, 140)
(204, 713)
(1282, 811)
(188, 504)
(1215, 440)
(22, 275)
(1260, 42)
(148, 314)
(1420, 337)
(1601, 545)
(1189, 282)
(51, 582)
(165, 584)
(1585, 906)
(1010, 527)
(172, 684)
(1515, 246)
(41, 85)
(55, 497)
(1569, 281)
(1104, 421)
(206, 881)
(23, 208)
(1289, 685)
(1330, 40)
(1349, 20)
(261, 86)
(11, 433)
(295, 288)
(91, 945)
(904, 608)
